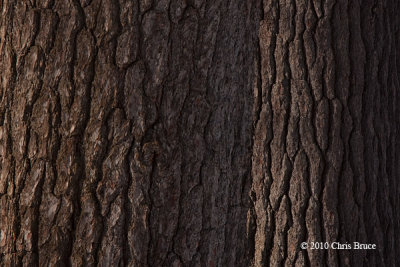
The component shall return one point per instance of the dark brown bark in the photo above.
(126, 132)
(326, 144)
(198, 133)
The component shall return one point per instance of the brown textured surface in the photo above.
(326, 146)
(126, 132)
(198, 133)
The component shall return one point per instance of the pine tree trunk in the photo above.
(198, 133)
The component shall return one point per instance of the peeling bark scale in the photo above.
(199, 133)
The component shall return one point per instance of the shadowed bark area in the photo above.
(198, 133)
(326, 144)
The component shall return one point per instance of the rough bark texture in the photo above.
(126, 131)
(198, 133)
(326, 145)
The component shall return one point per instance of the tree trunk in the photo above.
(326, 145)
(199, 133)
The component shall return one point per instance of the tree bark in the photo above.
(199, 133)
(126, 132)
(326, 144)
